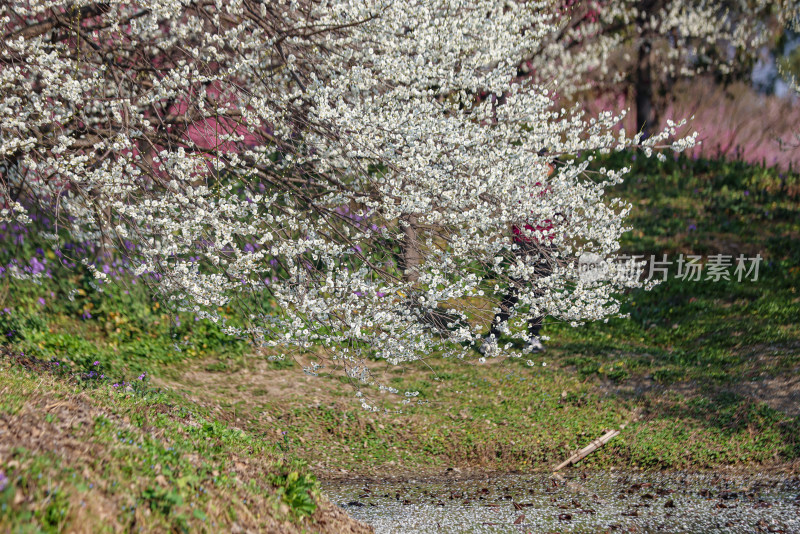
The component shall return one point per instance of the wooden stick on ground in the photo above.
(589, 449)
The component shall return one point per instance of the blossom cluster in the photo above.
(343, 173)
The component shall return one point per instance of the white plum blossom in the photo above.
(343, 174)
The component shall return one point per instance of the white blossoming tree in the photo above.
(648, 45)
(345, 173)
(794, 21)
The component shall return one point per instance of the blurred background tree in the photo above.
(643, 48)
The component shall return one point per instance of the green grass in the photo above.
(91, 456)
(517, 419)
(703, 330)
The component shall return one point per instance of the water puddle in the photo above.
(599, 502)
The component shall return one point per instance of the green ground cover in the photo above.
(703, 373)
(79, 454)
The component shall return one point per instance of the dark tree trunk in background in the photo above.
(646, 116)
(645, 112)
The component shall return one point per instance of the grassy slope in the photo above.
(697, 373)
(94, 458)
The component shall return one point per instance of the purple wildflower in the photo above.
(37, 266)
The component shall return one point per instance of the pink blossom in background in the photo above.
(734, 123)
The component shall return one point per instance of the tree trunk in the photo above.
(645, 114)
(412, 255)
